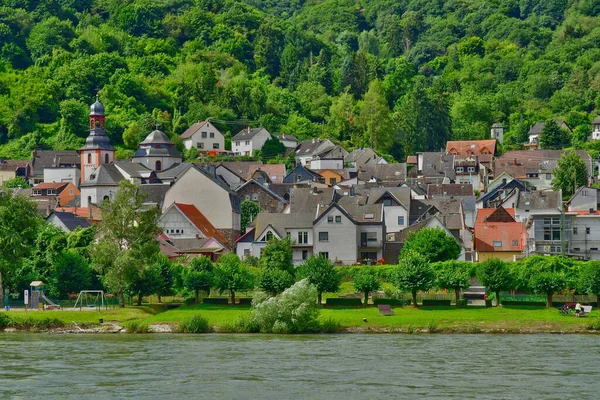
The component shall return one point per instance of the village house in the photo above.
(204, 136)
(497, 132)
(51, 195)
(362, 157)
(432, 167)
(268, 200)
(211, 196)
(67, 221)
(308, 149)
(55, 166)
(302, 175)
(385, 174)
(248, 140)
(596, 128)
(465, 148)
(535, 166)
(11, 169)
(498, 235)
(536, 131)
(288, 141)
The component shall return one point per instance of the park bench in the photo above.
(585, 310)
(385, 309)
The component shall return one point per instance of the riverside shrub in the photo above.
(294, 311)
(194, 324)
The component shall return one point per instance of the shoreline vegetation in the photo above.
(204, 318)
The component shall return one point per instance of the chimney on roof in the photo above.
(248, 129)
(516, 161)
(314, 190)
(314, 140)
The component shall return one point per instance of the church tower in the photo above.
(97, 149)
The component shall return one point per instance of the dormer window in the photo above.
(37, 192)
(459, 169)
(471, 169)
(51, 192)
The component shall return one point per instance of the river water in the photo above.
(346, 366)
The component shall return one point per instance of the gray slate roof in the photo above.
(154, 193)
(401, 194)
(189, 132)
(105, 175)
(71, 221)
(307, 199)
(543, 199)
(156, 137)
(313, 146)
(385, 172)
(280, 222)
(450, 189)
(53, 159)
(247, 134)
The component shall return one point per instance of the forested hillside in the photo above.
(398, 75)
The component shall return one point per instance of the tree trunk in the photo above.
(497, 299)
(140, 298)
(457, 295)
(197, 296)
(549, 301)
(232, 298)
(121, 296)
(320, 298)
(414, 296)
(159, 298)
(366, 299)
(2, 291)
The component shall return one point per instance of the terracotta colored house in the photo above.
(64, 192)
(498, 235)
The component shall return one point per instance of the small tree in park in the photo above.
(454, 275)
(199, 276)
(277, 268)
(589, 279)
(414, 273)
(231, 274)
(322, 274)
(433, 244)
(495, 275)
(366, 282)
(543, 274)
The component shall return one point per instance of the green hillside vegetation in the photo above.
(398, 75)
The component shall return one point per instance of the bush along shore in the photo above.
(296, 311)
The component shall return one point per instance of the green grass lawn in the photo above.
(215, 314)
(450, 318)
(89, 316)
(447, 319)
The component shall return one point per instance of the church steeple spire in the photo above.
(97, 149)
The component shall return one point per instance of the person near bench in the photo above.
(577, 309)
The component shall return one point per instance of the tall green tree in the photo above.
(374, 118)
(453, 275)
(19, 224)
(553, 137)
(70, 273)
(199, 276)
(321, 273)
(366, 281)
(589, 279)
(495, 275)
(272, 149)
(126, 239)
(277, 269)
(413, 274)
(570, 173)
(231, 274)
(433, 244)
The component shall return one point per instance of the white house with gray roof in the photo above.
(157, 152)
(204, 136)
(248, 140)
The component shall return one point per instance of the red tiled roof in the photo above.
(504, 232)
(411, 159)
(200, 221)
(483, 213)
(466, 147)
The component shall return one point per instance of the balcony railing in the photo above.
(370, 244)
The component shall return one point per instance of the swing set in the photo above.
(92, 298)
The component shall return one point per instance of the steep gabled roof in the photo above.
(499, 214)
(189, 132)
(105, 175)
(450, 189)
(280, 222)
(248, 134)
(53, 159)
(263, 187)
(466, 147)
(71, 221)
(200, 221)
(509, 235)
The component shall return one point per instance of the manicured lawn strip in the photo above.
(68, 316)
(216, 314)
(450, 317)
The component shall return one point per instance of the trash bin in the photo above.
(101, 320)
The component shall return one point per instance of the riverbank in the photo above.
(157, 319)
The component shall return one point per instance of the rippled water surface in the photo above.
(300, 367)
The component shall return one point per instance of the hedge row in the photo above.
(384, 272)
(392, 302)
(436, 302)
(215, 300)
(344, 302)
(523, 303)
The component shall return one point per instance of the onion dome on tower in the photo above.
(97, 149)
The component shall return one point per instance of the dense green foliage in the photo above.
(402, 75)
(321, 273)
(433, 244)
(414, 274)
(366, 282)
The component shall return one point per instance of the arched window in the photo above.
(89, 200)
(106, 198)
(89, 158)
(158, 166)
(106, 159)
